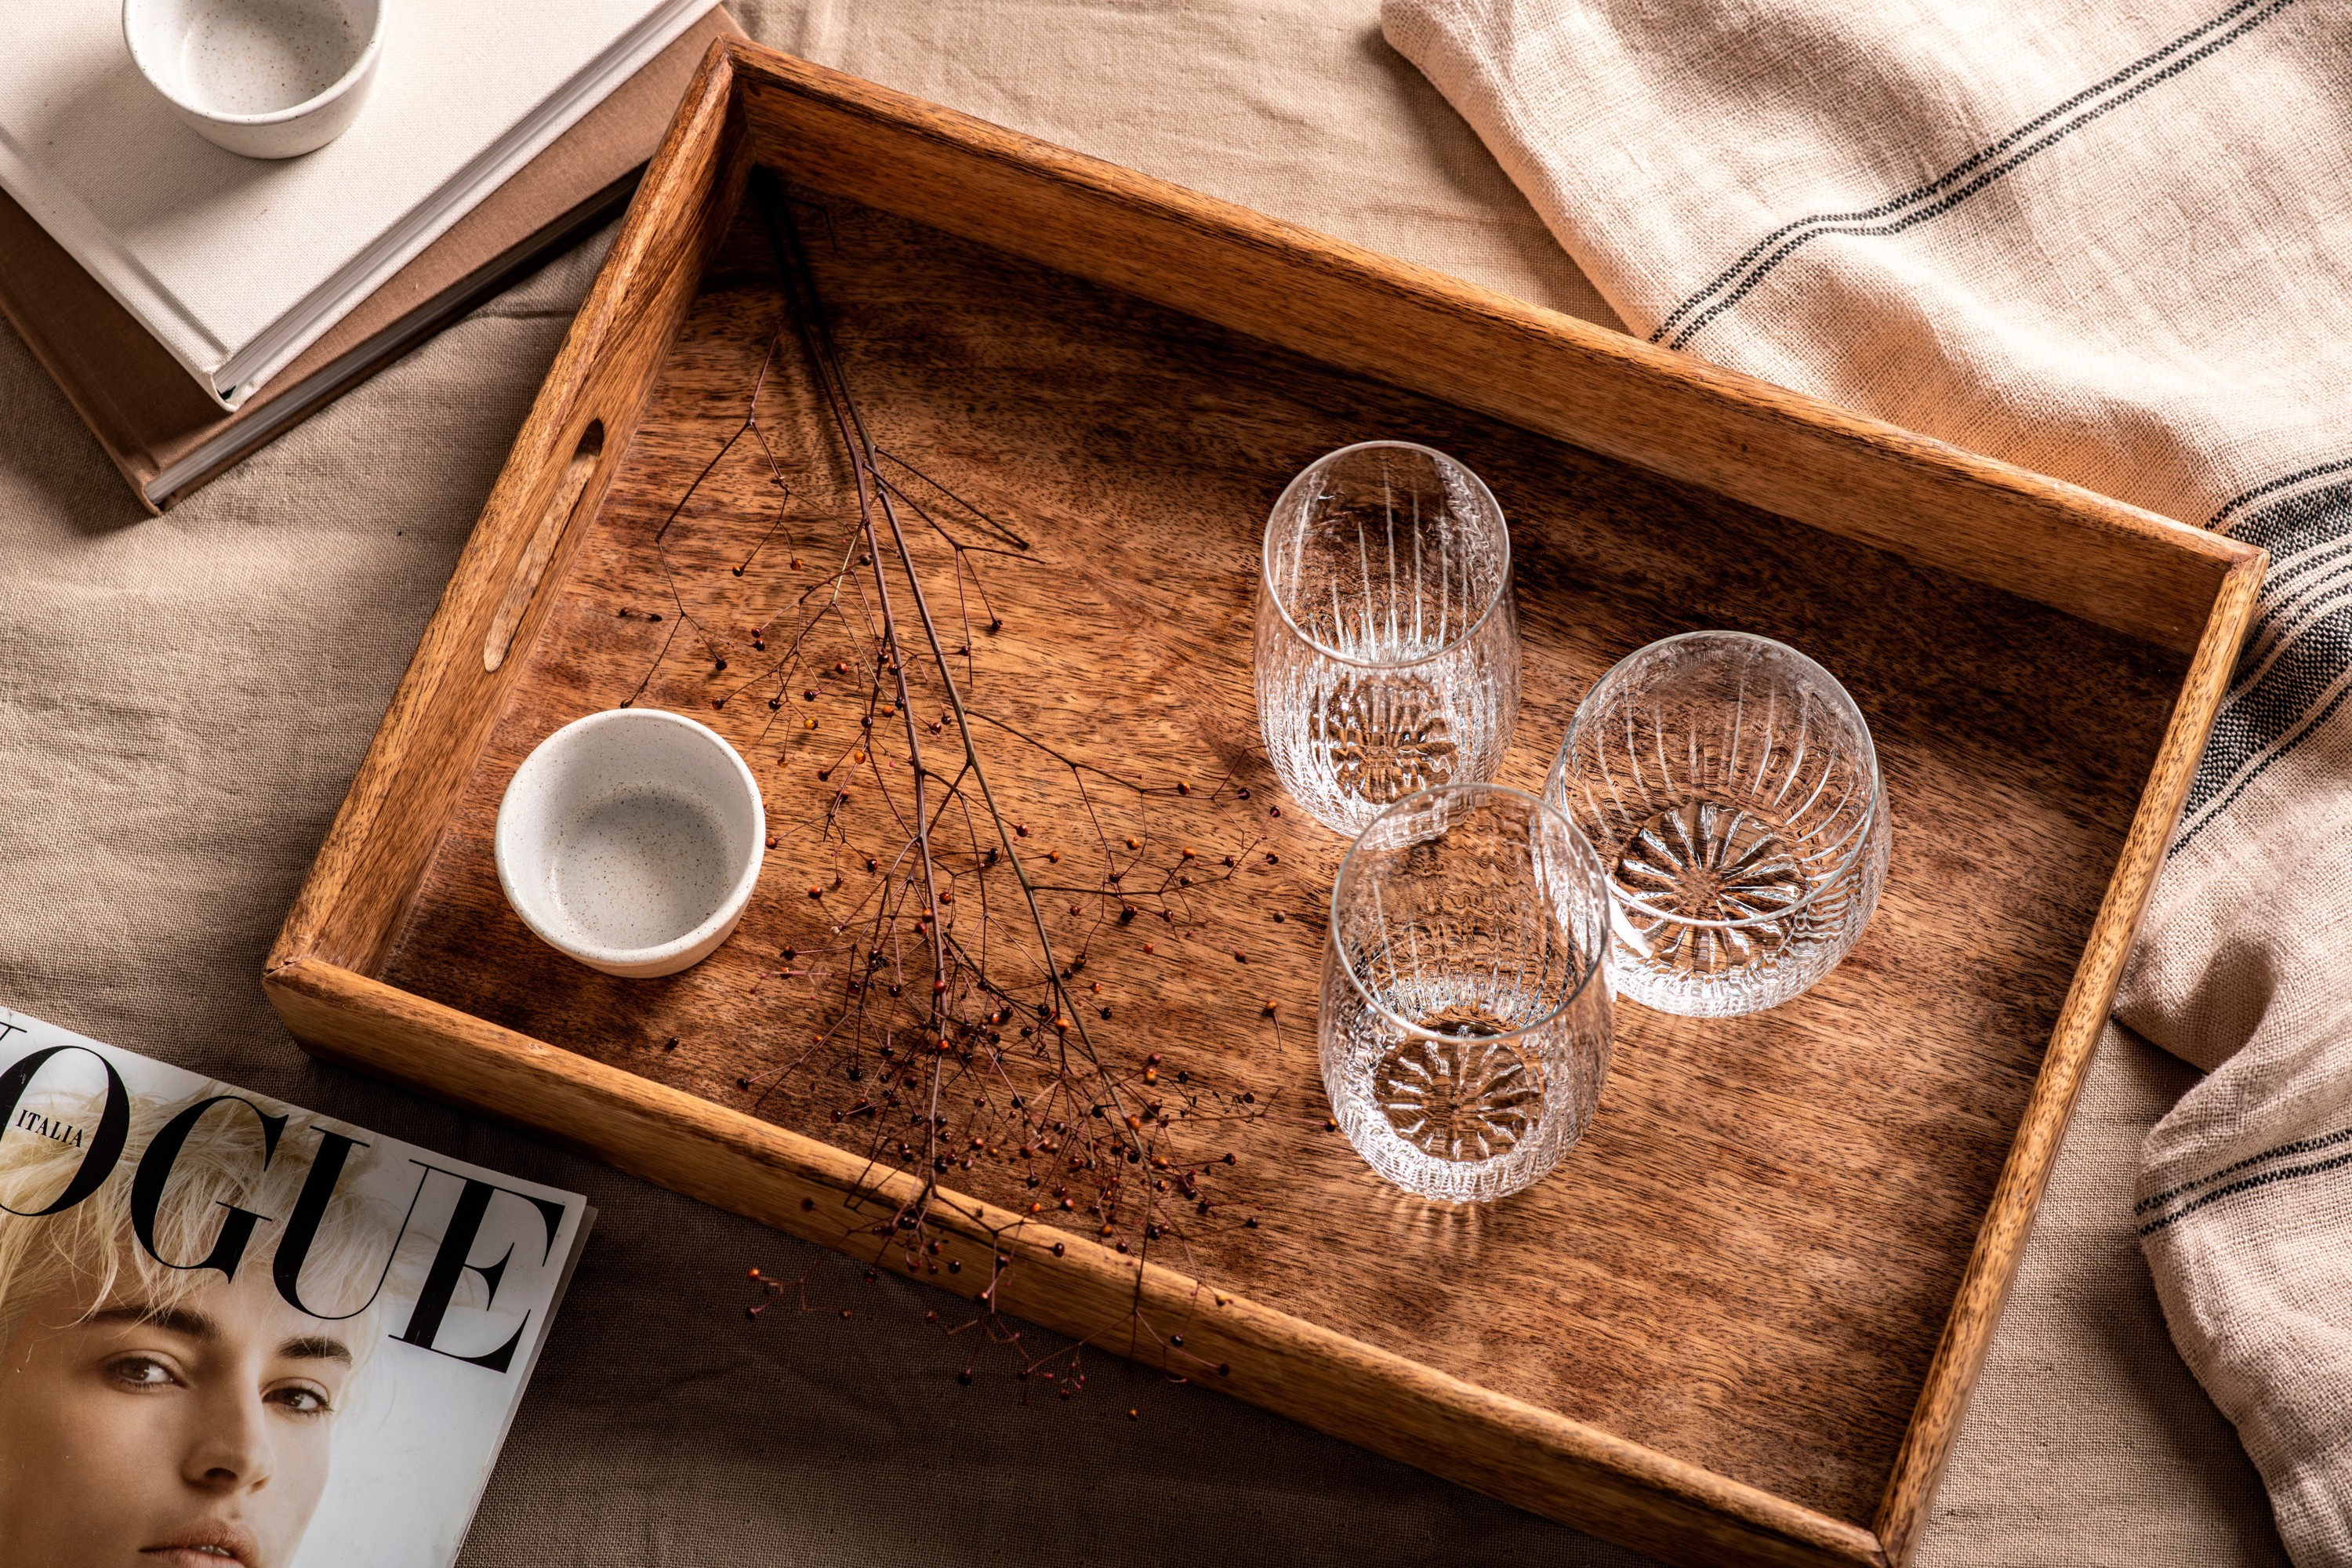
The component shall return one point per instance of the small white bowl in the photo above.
(269, 79)
(631, 841)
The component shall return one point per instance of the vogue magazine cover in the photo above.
(233, 1332)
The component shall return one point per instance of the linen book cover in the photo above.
(236, 1332)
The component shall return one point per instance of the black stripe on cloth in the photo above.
(2267, 1179)
(2296, 670)
(2230, 507)
(2310, 575)
(2300, 1146)
(1954, 185)
(2306, 568)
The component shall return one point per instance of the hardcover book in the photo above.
(236, 1332)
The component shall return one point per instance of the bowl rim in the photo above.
(727, 910)
(342, 85)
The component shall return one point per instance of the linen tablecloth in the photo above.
(183, 702)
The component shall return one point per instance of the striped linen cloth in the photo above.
(2113, 244)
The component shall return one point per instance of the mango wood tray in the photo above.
(1741, 1322)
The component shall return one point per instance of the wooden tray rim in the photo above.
(1526, 1455)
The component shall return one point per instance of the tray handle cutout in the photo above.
(541, 548)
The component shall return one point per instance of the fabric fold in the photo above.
(2112, 247)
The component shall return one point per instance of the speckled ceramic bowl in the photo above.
(631, 841)
(269, 79)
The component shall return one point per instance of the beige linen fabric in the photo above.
(2246, 1189)
(2115, 245)
(183, 700)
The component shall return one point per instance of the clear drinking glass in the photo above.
(1388, 648)
(1729, 785)
(1465, 1020)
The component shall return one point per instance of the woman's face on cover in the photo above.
(190, 1436)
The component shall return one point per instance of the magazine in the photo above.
(235, 1332)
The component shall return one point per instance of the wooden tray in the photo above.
(1741, 1322)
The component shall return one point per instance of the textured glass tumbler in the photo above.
(1731, 788)
(1465, 1020)
(1388, 648)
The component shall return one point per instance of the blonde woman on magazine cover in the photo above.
(162, 1416)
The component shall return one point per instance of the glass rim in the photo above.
(1274, 594)
(1587, 856)
(1859, 837)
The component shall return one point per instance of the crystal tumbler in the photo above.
(1729, 786)
(1465, 1020)
(1388, 648)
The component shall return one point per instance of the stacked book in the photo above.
(194, 304)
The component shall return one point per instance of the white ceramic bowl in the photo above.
(631, 841)
(269, 79)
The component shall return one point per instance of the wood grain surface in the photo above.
(367, 869)
(1614, 394)
(1741, 1322)
(1748, 1261)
